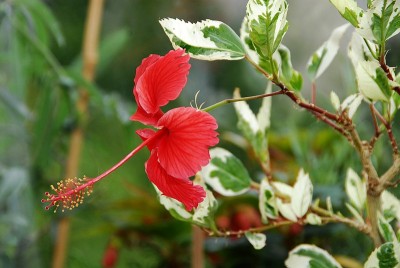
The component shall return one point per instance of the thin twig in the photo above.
(313, 92)
(389, 130)
(376, 127)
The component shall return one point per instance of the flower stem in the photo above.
(227, 101)
(66, 192)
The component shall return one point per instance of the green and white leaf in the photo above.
(285, 209)
(283, 188)
(225, 173)
(386, 256)
(264, 113)
(257, 240)
(335, 101)
(351, 103)
(356, 189)
(381, 21)
(349, 10)
(200, 215)
(310, 256)
(372, 81)
(355, 212)
(390, 205)
(267, 202)
(248, 124)
(323, 57)
(302, 194)
(267, 24)
(313, 219)
(204, 40)
(175, 208)
(386, 230)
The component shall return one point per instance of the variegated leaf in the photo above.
(381, 21)
(257, 240)
(349, 10)
(204, 40)
(267, 202)
(356, 189)
(302, 194)
(323, 57)
(225, 173)
(310, 256)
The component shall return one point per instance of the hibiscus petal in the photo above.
(185, 148)
(144, 65)
(145, 118)
(182, 190)
(141, 115)
(162, 81)
(145, 134)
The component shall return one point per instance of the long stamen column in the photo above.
(70, 193)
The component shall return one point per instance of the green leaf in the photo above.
(310, 256)
(257, 240)
(267, 202)
(349, 10)
(313, 219)
(267, 25)
(386, 256)
(290, 77)
(323, 57)
(381, 21)
(250, 127)
(356, 189)
(204, 40)
(225, 173)
(42, 18)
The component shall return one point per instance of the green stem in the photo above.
(227, 101)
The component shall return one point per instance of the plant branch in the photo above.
(389, 130)
(227, 101)
(328, 216)
(376, 127)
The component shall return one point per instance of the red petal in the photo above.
(162, 81)
(145, 118)
(145, 134)
(185, 149)
(144, 65)
(182, 190)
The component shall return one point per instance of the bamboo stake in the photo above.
(197, 247)
(89, 54)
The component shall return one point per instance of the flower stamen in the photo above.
(69, 193)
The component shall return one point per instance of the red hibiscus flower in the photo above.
(186, 133)
(179, 144)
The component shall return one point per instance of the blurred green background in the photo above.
(40, 73)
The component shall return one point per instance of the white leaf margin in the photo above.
(215, 183)
(356, 189)
(302, 194)
(191, 34)
(295, 260)
(331, 46)
(257, 240)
